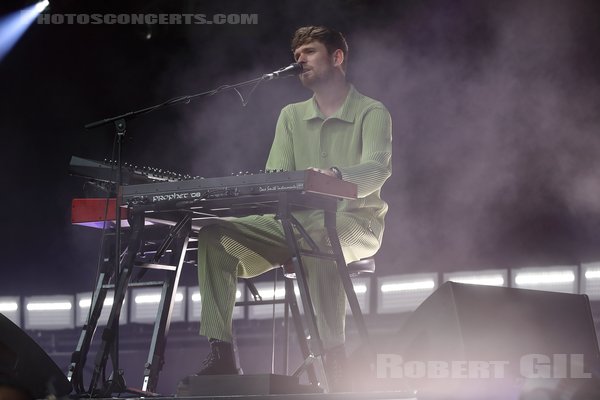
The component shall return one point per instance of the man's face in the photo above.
(318, 64)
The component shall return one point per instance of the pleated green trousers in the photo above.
(249, 246)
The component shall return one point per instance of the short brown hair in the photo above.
(332, 39)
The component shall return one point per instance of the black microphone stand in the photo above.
(117, 384)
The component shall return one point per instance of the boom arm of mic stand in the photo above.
(177, 100)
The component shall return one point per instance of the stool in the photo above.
(356, 268)
(290, 305)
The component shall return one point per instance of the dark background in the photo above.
(495, 110)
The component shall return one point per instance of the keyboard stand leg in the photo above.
(79, 356)
(293, 304)
(330, 225)
(108, 334)
(163, 319)
(315, 344)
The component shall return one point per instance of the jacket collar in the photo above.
(346, 112)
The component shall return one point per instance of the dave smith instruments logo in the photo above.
(280, 187)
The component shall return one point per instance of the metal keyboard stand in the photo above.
(177, 240)
(329, 207)
(280, 203)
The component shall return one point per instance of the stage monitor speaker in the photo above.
(516, 333)
(25, 365)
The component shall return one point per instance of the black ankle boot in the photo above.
(336, 370)
(220, 360)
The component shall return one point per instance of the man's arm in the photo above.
(375, 165)
(281, 155)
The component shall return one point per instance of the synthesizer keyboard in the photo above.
(105, 171)
(241, 185)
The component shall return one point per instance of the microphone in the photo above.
(292, 69)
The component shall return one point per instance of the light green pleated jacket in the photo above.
(357, 139)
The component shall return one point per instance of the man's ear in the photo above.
(338, 57)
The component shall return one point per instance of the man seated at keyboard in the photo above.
(338, 132)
